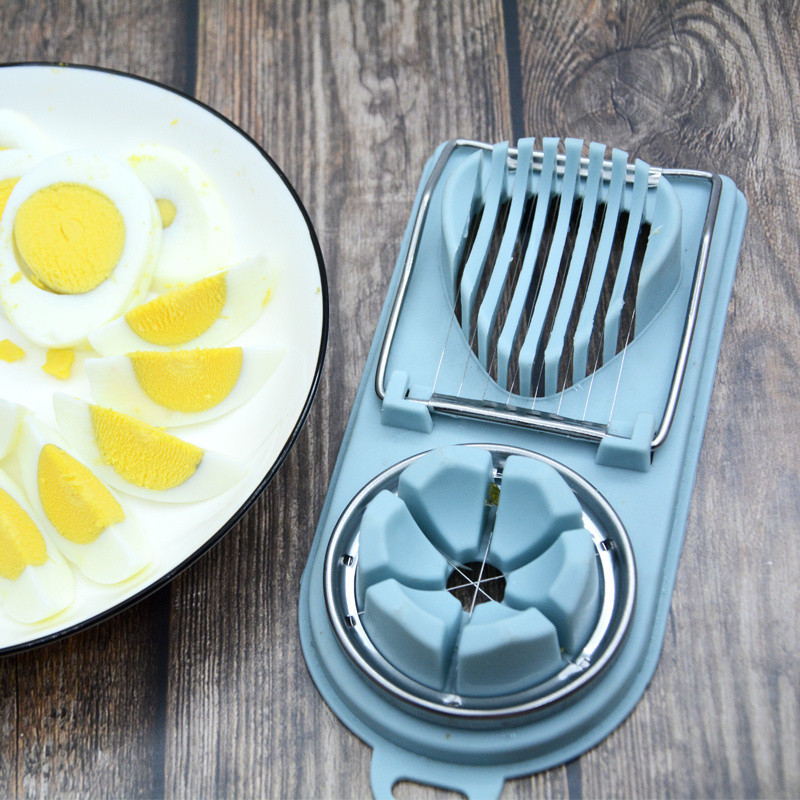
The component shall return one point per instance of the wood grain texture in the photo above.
(151, 38)
(201, 690)
(709, 86)
(90, 710)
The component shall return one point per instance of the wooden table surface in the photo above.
(201, 691)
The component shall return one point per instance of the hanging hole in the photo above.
(409, 790)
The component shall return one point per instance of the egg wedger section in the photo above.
(465, 694)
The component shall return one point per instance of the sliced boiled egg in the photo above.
(13, 165)
(35, 581)
(140, 459)
(79, 239)
(87, 522)
(11, 415)
(198, 234)
(18, 131)
(181, 387)
(207, 313)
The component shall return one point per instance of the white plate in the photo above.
(91, 108)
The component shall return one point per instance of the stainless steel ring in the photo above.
(617, 579)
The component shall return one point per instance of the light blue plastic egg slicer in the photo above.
(488, 587)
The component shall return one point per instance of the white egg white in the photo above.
(11, 415)
(119, 552)
(15, 163)
(19, 131)
(247, 290)
(200, 238)
(64, 320)
(114, 385)
(214, 475)
(42, 590)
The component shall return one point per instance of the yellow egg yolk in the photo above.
(69, 236)
(21, 543)
(142, 454)
(181, 315)
(167, 210)
(59, 363)
(188, 380)
(6, 185)
(10, 351)
(75, 501)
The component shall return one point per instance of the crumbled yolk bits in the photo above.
(59, 363)
(10, 352)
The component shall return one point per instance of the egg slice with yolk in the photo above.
(19, 132)
(140, 459)
(206, 313)
(69, 237)
(11, 415)
(181, 387)
(198, 234)
(87, 522)
(35, 581)
(79, 239)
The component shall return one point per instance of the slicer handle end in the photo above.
(390, 765)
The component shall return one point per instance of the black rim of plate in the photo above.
(123, 605)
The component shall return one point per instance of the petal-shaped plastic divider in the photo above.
(445, 491)
(535, 505)
(503, 650)
(564, 584)
(391, 545)
(414, 630)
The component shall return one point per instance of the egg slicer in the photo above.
(488, 588)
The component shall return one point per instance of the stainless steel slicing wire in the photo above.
(545, 246)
